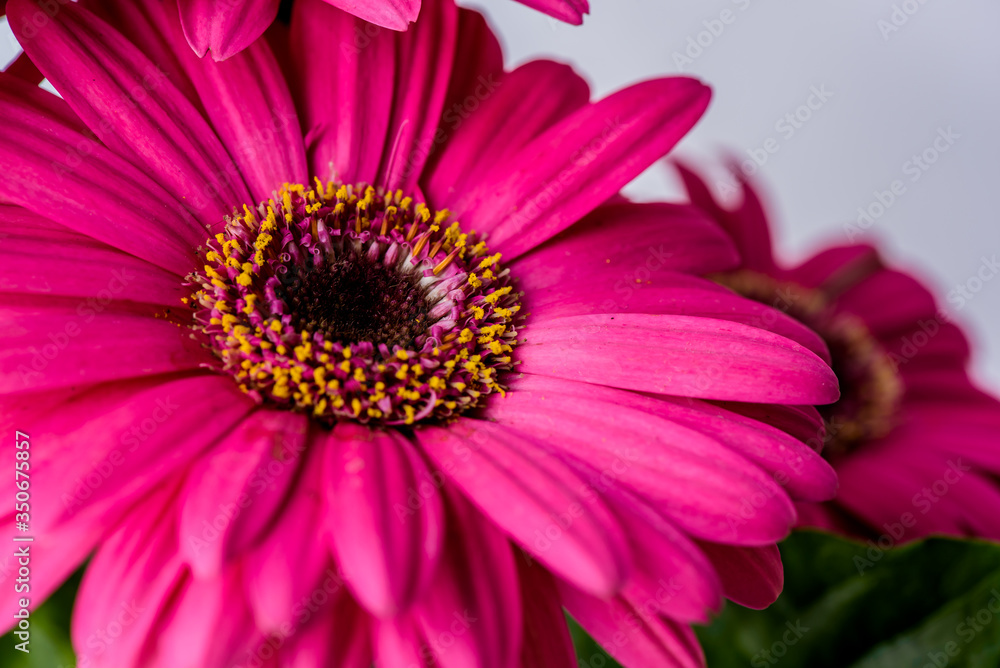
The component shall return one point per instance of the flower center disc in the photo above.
(348, 302)
(354, 298)
(870, 387)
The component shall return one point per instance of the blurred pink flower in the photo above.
(226, 27)
(291, 432)
(914, 442)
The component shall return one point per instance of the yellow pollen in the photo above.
(252, 323)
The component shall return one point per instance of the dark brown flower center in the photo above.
(354, 298)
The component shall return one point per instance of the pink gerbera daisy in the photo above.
(914, 442)
(333, 356)
(226, 27)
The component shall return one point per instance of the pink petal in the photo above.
(22, 68)
(889, 302)
(943, 388)
(292, 562)
(570, 11)
(54, 170)
(536, 499)
(75, 265)
(747, 225)
(498, 117)
(679, 355)
(843, 265)
(803, 422)
(687, 296)
(384, 516)
(109, 446)
(705, 488)
(948, 348)
(670, 569)
(338, 635)
(929, 469)
(398, 642)
(386, 138)
(547, 643)
(55, 554)
(625, 245)
(902, 475)
(207, 623)
(345, 93)
(478, 54)
(234, 493)
(248, 103)
(26, 408)
(790, 462)
(551, 184)
(158, 129)
(633, 635)
(751, 576)
(141, 561)
(392, 14)
(425, 55)
(225, 27)
(979, 498)
(826, 516)
(31, 96)
(478, 64)
(474, 598)
(972, 431)
(155, 28)
(68, 342)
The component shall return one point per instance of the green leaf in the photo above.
(49, 643)
(930, 604)
(588, 652)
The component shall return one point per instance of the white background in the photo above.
(892, 91)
